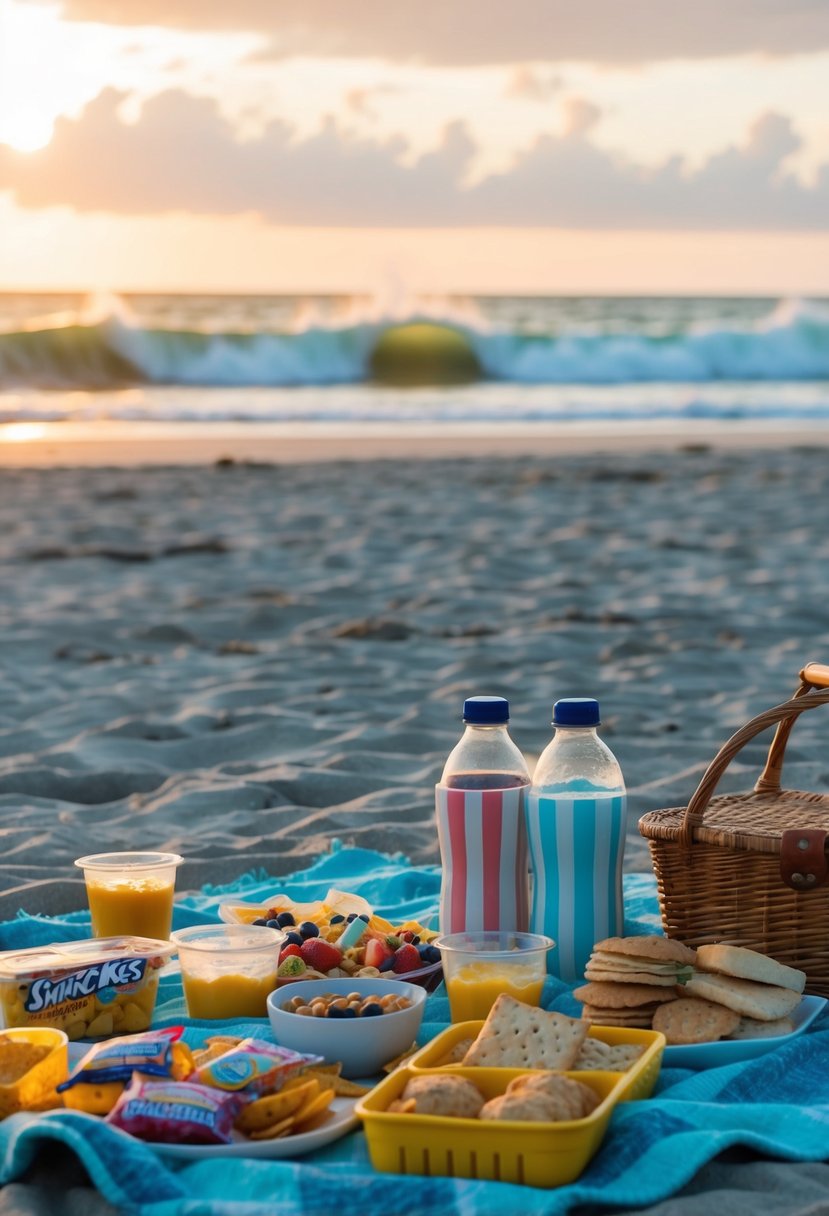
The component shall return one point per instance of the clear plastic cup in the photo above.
(130, 893)
(228, 971)
(479, 966)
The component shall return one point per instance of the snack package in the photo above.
(176, 1112)
(255, 1066)
(97, 1082)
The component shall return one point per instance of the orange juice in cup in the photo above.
(228, 971)
(130, 893)
(479, 966)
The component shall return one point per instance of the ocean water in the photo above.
(490, 360)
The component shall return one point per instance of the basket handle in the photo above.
(813, 675)
(806, 697)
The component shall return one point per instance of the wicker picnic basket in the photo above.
(751, 869)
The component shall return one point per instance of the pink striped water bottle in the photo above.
(481, 826)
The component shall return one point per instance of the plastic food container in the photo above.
(36, 1088)
(227, 971)
(636, 1082)
(89, 989)
(479, 966)
(538, 1154)
(130, 892)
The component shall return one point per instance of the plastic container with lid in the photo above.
(89, 989)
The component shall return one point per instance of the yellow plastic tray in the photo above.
(638, 1081)
(538, 1154)
(35, 1090)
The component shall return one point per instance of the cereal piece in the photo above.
(519, 1036)
(524, 1107)
(572, 1098)
(690, 1020)
(452, 1096)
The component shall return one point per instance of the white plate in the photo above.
(731, 1051)
(342, 1120)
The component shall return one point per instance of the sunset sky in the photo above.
(538, 146)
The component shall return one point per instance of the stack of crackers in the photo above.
(735, 994)
(715, 992)
(631, 977)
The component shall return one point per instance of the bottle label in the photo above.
(483, 846)
(576, 850)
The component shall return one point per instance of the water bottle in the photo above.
(576, 835)
(479, 802)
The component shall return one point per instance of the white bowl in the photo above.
(363, 1045)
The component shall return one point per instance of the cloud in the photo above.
(530, 85)
(183, 156)
(489, 31)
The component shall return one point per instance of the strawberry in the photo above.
(376, 952)
(320, 954)
(406, 959)
(290, 952)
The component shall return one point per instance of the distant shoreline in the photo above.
(125, 444)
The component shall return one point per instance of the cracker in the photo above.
(520, 1036)
(616, 1057)
(448, 1095)
(456, 1055)
(622, 996)
(652, 946)
(761, 1001)
(750, 1028)
(613, 976)
(749, 965)
(690, 1020)
(631, 963)
(636, 1019)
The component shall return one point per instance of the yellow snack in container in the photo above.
(87, 989)
(32, 1064)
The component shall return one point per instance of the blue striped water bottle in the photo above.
(576, 835)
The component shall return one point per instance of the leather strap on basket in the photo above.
(695, 811)
(803, 864)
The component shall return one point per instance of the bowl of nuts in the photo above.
(362, 1022)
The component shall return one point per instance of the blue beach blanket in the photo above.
(777, 1105)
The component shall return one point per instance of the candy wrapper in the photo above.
(176, 1112)
(99, 1079)
(255, 1066)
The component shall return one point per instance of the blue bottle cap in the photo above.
(486, 711)
(576, 711)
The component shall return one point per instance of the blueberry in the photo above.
(371, 1011)
(284, 919)
(293, 939)
(433, 955)
(334, 1012)
(365, 916)
(351, 916)
(309, 929)
(349, 1012)
(387, 964)
(423, 948)
(337, 920)
(415, 940)
(272, 924)
(260, 920)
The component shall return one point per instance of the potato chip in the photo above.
(314, 1106)
(275, 1131)
(17, 1057)
(273, 1108)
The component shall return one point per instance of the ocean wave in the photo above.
(790, 344)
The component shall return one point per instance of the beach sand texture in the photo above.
(240, 663)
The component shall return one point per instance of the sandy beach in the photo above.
(243, 661)
(240, 662)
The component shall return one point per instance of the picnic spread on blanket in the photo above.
(518, 1017)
